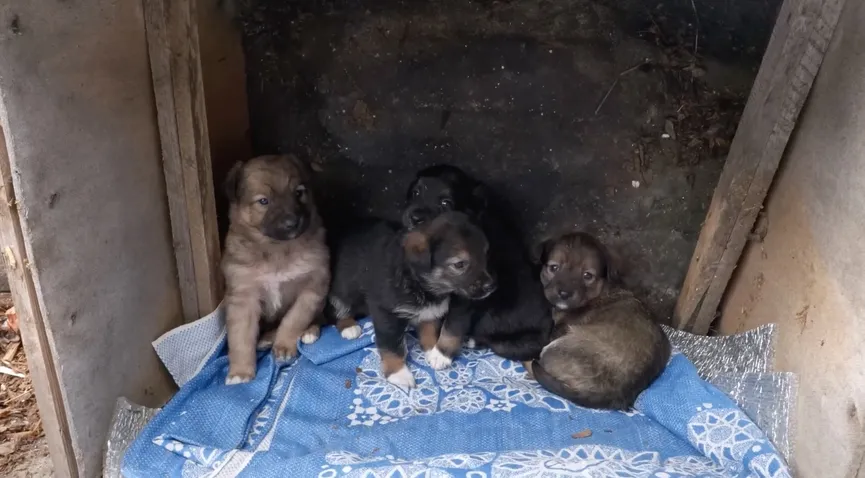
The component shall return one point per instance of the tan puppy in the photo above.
(276, 262)
(605, 348)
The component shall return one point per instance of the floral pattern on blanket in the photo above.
(589, 461)
(482, 382)
(725, 436)
(497, 423)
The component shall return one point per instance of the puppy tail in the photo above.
(586, 400)
(518, 348)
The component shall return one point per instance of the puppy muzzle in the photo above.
(415, 216)
(288, 227)
(483, 290)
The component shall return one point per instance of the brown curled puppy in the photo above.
(276, 262)
(605, 348)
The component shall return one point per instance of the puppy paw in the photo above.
(238, 375)
(437, 359)
(471, 343)
(283, 351)
(530, 375)
(311, 335)
(402, 378)
(265, 342)
(351, 333)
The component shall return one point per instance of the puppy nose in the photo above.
(489, 286)
(289, 222)
(564, 294)
(417, 216)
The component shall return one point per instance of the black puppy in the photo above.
(407, 277)
(514, 321)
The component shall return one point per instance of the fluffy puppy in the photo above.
(401, 278)
(515, 320)
(605, 348)
(276, 262)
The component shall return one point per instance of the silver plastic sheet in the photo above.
(751, 351)
(129, 419)
(739, 365)
(769, 399)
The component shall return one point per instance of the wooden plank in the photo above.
(46, 383)
(89, 188)
(793, 57)
(223, 68)
(172, 38)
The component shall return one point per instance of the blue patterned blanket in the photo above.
(330, 413)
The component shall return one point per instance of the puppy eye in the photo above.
(447, 203)
(553, 268)
(263, 201)
(415, 192)
(300, 191)
(460, 266)
(587, 276)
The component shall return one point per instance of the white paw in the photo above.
(309, 337)
(351, 333)
(470, 343)
(436, 359)
(402, 378)
(236, 379)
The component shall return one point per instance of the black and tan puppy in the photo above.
(401, 278)
(276, 262)
(515, 320)
(605, 348)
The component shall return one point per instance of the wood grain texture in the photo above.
(172, 38)
(790, 64)
(46, 383)
(89, 189)
(223, 68)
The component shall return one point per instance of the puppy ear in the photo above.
(611, 264)
(231, 187)
(417, 248)
(542, 250)
(304, 167)
(409, 193)
(480, 200)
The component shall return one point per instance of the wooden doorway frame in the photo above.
(197, 63)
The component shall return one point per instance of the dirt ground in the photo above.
(578, 121)
(23, 450)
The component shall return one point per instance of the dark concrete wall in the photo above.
(730, 30)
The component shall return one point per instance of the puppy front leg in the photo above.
(243, 312)
(455, 329)
(390, 341)
(297, 322)
(428, 332)
(346, 325)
